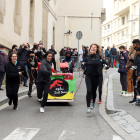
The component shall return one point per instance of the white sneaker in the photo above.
(121, 93)
(42, 110)
(92, 105)
(40, 99)
(125, 94)
(88, 110)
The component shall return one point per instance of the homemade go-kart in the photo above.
(63, 86)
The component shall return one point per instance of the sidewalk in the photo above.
(22, 91)
(127, 115)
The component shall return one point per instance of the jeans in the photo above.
(112, 60)
(25, 80)
(1, 78)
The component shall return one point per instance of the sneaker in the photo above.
(92, 105)
(29, 94)
(88, 110)
(125, 94)
(25, 85)
(15, 108)
(100, 101)
(40, 99)
(91, 100)
(121, 93)
(42, 110)
(10, 102)
(134, 100)
(1, 89)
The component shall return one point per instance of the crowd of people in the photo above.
(20, 65)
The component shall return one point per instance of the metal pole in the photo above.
(78, 54)
(139, 19)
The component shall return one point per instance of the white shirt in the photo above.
(81, 54)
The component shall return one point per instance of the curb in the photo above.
(108, 119)
(20, 94)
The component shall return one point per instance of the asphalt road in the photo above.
(59, 122)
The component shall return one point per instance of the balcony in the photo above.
(121, 7)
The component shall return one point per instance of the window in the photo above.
(123, 20)
(31, 25)
(134, 27)
(108, 40)
(135, 10)
(105, 29)
(2, 10)
(17, 17)
(108, 27)
(115, 38)
(123, 35)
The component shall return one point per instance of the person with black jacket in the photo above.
(23, 55)
(44, 79)
(92, 74)
(32, 67)
(14, 70)
(53, 59)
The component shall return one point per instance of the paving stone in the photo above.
(136, 135)
(129, 129)
(137, 126)
(116, 118)
(123, 113)
(115, 114)
(121, 122)
(129, 118)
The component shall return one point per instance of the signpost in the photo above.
(79, 36)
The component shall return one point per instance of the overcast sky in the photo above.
(108, 4)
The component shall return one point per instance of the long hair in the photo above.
(98, 47)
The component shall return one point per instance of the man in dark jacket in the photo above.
(3, 61)
(122, 70)
(53, 59)
(23, 55)
(113, 55)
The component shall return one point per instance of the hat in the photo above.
(2, 46)
(31, 51)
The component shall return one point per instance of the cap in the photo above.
(2, 46)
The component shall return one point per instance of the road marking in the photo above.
(65, 134)
(22, 134)
(117, 137)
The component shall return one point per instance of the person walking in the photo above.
(44, 79)
(92, 75)
(107, 54)
(81, 55)
(53, 59)
(3, 61)
(23, 55)
(130, 87)
(136, 45)
(113, 55)
(122, 70)
(14, 70)
(32, 67)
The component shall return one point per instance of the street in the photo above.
(60, 121)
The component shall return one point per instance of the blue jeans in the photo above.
(25, 80)
(112, 60)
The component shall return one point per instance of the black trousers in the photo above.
(123, 78)
(40, 88)
(92, 82)
(100, 86)
(54, 63)
(12, 92)
(31, 79)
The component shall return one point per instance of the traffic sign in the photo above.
(79, 35)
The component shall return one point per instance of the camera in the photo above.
(25, 47)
